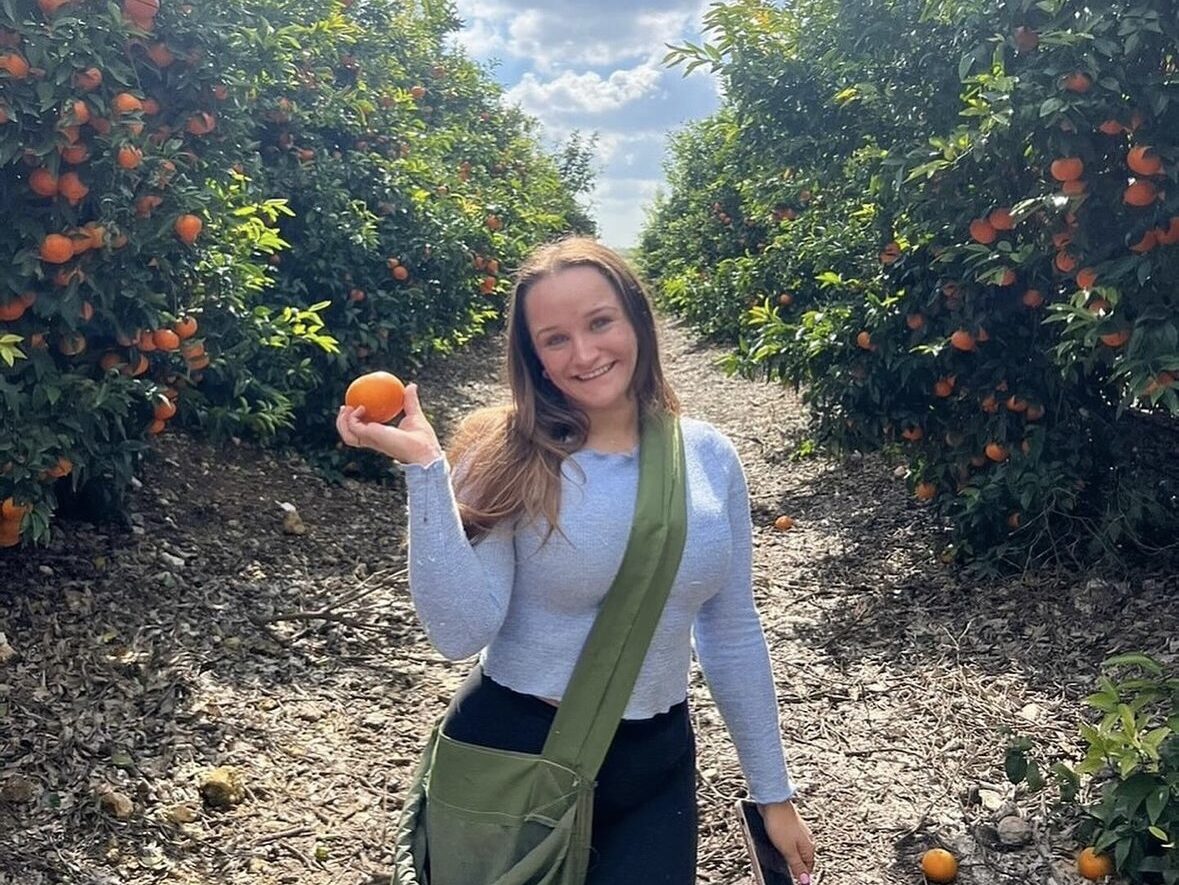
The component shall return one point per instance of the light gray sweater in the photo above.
(526, 608)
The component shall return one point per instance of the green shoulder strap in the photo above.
(609, 663)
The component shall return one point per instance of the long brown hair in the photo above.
(516, 450)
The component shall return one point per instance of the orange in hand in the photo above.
(381, 393)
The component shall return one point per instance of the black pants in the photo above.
(645, 823)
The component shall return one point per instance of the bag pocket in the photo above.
(496, 816)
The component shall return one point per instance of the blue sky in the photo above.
(596, 67)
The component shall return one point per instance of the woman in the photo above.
(513, 551)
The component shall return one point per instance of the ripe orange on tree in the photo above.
(925, 491)
(1067, 168)
(126, 103)
(1092, 865)
(1077, 81)
(939, 865)
(995, 452)
(43, 183)
(1032, 298)
(1143, 160)
(1116, 339)
(1001, 219)
(381, 393)
(56, 249)
(915, 321)
(188, 228)
(864, 340)
(962, 340)
(185, 327)
(1140, 193)
(1087, 278)
(129, 157)
(891, 253)
(982, 231)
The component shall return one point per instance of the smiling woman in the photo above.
(522, 551)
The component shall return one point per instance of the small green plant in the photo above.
(1132, 758)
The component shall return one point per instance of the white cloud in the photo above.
(584, 93)
(598, 68)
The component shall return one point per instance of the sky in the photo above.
(595, 67)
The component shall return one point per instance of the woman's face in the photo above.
(583, 337)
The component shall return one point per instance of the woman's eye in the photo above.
(556, 339)
(601, 322)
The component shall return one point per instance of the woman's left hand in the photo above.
(792, 837)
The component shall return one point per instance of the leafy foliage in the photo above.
(878, 214)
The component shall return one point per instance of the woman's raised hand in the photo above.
(411, 441)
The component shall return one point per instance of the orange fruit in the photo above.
(891, 253)
(160, 54)
(43, 183)
(56, 249)
(1065, 263)
(188, 228)
(785, 299)
(185, 328)
(163, 410)
(1067, 168)
(784, 523)
(14, 63)
(381, 393)
(1116, 339)
(1086, 278)
(915, 321)
(126, 103)
(939, 865)
(1073, 188)
(1143, 160)
(63, 467)
(1077, 81)
(1149, 240)
(401, 273)
(1034, 412)
(1110, 127)
(1026, 39)
(10, 510)
(1140, 193)
(200, 123)
(981, 231)
(943, 387)
(1092, 865)
(494, 223)
(417, 92)
(11, 311)
(925, 491)
(156, 426)
(913, 434)
(165, 340)
(71, 187)
(88, 80)
(1013, 520)
(1000, 219)
(9, 533)
(1032, 298)
(129, 157)
(962, 340)
(995, 452)
(864, 340)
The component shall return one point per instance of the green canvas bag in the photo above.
(481, 816)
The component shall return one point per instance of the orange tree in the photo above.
(1010, 327)
(110, 125)
(412, 193)
(157, 161)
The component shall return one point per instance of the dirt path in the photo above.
(144, 660)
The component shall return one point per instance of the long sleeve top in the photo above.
(526, 606)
